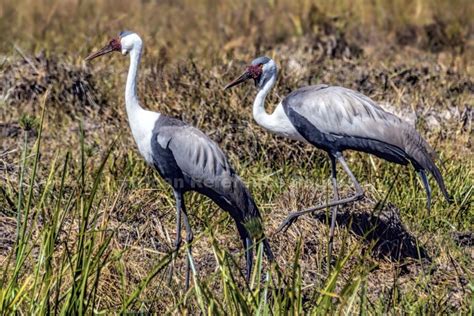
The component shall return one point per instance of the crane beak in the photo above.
(105, 50)
(243, 77)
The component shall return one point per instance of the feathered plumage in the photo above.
(348, 119)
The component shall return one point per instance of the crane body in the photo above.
(187, 159)
(335, 119)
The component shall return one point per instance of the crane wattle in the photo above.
(112, 46)
(115, 44)
(255, 71)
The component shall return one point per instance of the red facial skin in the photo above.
(251, 72)
(113, 46)
(255, 71)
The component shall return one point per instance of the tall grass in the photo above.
(65, 274)
(50, 273)
(86, 226)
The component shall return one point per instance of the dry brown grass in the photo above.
(414, 57)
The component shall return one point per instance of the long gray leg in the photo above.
(189, 240)
(179, 202)
(359, 191)
(357, 196)
(249, 257)
(334, 208)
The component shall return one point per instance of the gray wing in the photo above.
(344, 112)
(195, 153)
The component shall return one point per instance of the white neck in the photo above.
(278, 121)
(141, 122)
(131, 98)
(259, 114)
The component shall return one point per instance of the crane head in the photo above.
(124, 43)
(260, 70)
(113, 46)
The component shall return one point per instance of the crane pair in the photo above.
(330, 118)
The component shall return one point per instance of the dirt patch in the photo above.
(384, 228)
(443, 36)
(73, 88)
(434, 37)
(464, 239)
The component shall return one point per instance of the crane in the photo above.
(335, 119)
(187, 159)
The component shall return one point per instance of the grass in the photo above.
(87, 227)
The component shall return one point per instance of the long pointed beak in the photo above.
(105, 50)
(243, 77)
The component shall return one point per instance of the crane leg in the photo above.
(179, 203)
(189, 240)
(248, 247)
(334, 208)
(268, 250)
(249, 257)
(359, 191)
(357, 196)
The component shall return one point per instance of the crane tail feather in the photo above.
(421, 155)
(427, 163)
(249, 215)
(426, 184)
(439, 179)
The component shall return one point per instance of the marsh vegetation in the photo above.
(86, 226)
